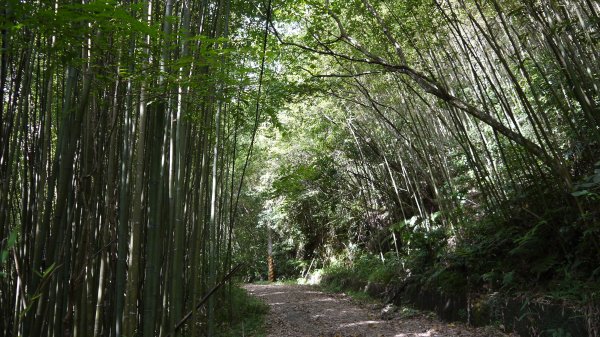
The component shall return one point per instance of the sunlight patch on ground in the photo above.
(428, 333)
(349, 325)
(270, 294)
(327, 299)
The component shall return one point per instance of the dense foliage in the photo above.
(125, 129)
(458, 138)
(147, 147)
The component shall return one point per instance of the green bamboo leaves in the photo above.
(121, 128)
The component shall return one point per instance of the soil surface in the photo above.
(299, 311)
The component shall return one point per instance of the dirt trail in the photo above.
(300, 311)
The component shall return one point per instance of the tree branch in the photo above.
(432, 87)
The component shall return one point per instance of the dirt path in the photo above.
(299, 311)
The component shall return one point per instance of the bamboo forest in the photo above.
(165, 164)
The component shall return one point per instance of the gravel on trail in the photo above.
(304, 311)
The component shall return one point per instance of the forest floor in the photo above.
(302, 311)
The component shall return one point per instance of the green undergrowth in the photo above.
(278, 282)
(365, 269)
(359, 296)
(362, 279)
(553, 257)
(244, 315)
(354, 280)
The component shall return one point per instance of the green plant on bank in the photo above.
(366, 268)
(359, 296)
(246, 317)
(5, 252)
(279, 282)
(407, 312)
(589, 186)
(558, 333)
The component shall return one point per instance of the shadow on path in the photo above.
(301, 311)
